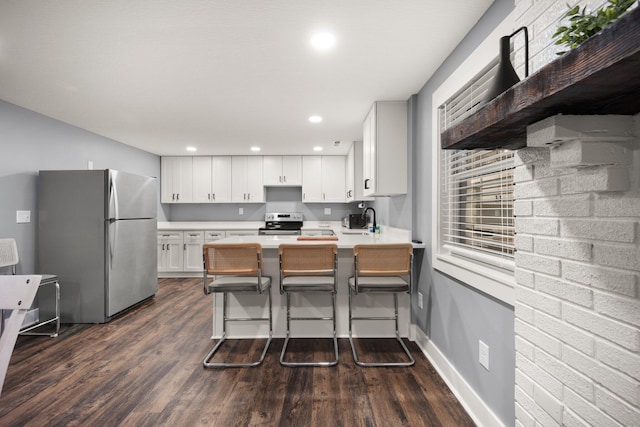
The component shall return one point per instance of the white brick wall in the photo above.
(577, 291)
(542, 18)
(577, 208)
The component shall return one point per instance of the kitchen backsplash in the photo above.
(286, 199)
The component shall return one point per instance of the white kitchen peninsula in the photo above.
(316, 304)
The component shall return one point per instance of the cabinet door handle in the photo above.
(163, 246)
(280, 178)
(213, 196)
(173, 196)
(184, 247)
(323, 196)
(244, 196)
(304, 196)
(366, 184)
(284, 178)
(178, 196)
(248, 196)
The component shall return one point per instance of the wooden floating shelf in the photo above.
(601, 76)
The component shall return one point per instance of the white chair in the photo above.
(9, 258)
(236, 268)
(16, 294)
(381, 268)
(309, 268)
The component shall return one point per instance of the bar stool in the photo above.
(309, 268)
(237, 269)
(381, 268)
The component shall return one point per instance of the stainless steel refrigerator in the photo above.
(97, 233)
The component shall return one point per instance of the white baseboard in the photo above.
(481, 414)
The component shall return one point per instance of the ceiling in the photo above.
(222, 76)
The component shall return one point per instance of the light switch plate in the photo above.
(240, 211)
(23, 217)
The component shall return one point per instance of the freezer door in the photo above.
(132, 265)
(130, 196)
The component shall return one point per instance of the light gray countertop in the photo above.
(346, 238)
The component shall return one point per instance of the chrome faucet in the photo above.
(364, 216)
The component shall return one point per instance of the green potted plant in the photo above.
(583, 25)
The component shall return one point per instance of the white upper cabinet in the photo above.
(323, 179)
(384, 156)
(350, 174)
(212, 179)
(176, 180)
(333, 179)
(242, 179)
(246, 179)
(312, 179)
(282, 170)
(354, 173)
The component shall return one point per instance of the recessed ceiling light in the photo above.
(323, 41)
(192, 149)
(255, 148)
(317, 148)
(315, 119)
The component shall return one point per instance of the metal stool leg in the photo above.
(207, 364)
(286, 340)
(397, 336)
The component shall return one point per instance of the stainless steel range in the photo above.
(281, 223)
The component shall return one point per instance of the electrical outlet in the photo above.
(90, 164)
(240, 211)
(420, 300)
(23, 217)
(483, 354)
(327, 211)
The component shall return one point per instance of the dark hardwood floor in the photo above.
(144, 368)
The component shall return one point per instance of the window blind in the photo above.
(477, 202)
(476, 194)
(468, 99)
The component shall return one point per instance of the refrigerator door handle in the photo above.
(113, 196)
(113, 215)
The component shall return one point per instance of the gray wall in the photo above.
(30, 142)
(456, 316)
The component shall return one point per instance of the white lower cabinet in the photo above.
(192, 246)
(212, 236)
(180, 251)
(170, 252)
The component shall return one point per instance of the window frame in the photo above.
(494, 281)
